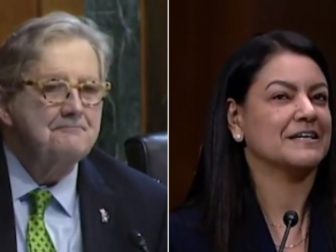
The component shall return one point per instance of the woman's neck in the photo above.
(277, 194)
(280, 188)
(278, 191)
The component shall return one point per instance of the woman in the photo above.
(269, 149)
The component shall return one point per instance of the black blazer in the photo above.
(133, 202)
(187, 234)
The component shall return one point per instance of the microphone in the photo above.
(139, 240)
(290, 219)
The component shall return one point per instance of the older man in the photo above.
(58, 193)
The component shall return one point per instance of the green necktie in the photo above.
(38, 238)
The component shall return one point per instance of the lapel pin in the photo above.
(104, 215)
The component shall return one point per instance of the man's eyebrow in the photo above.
(62, 76)
(87, 78)
(56, 75)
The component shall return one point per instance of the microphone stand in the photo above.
(290, 219)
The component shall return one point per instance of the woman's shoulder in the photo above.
(188, 216)
(187, 232)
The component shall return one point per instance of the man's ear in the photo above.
(235, 120)
(5, 116)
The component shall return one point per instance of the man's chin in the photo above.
(75, 153)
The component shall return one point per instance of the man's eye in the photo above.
(54, 85)
(89, 88)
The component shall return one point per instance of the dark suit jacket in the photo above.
(134, 202)
(187, 233)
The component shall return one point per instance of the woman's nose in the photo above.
(305, 109)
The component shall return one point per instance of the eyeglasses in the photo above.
(56, 91)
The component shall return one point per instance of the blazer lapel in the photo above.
(255, 236)
(104, 227)
(7, 221)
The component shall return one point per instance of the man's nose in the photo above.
(73, 104)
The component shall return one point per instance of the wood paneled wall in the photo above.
(15, 12)
(76, 7)
(154, 65)
(203, 34)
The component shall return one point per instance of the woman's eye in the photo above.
(320, 97)
(281, 97)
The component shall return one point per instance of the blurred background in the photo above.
(202, 36)
(137, 104)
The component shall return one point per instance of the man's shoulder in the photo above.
(120, 176)
(136, 201)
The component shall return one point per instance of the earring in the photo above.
(238, 138)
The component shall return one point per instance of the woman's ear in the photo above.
(235, 120)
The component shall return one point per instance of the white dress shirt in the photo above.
(62, 216)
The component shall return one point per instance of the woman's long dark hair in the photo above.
(223, 174)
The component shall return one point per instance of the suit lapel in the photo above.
(7, 221)
(103, 224)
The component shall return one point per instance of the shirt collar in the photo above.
(22, 183)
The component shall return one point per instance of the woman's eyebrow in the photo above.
(286, 84)
(292, 86)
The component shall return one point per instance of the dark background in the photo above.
(202, 35)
